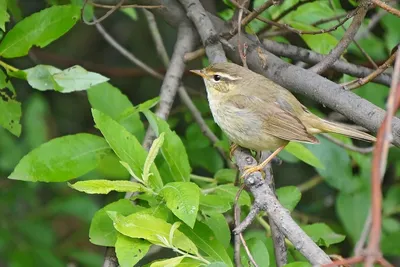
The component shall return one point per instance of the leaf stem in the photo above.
(8, 67)
(202, 178)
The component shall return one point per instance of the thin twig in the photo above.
(240, 47)
(379, 160)
(97, 21)
(309, 184)
(336, 52)
(359, 247)
(361, 150)
(122, 6)
(162, 52)
(386, 7)
(361, 81)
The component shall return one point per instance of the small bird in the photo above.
(258, 114)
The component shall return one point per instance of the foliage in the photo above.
(171, 201)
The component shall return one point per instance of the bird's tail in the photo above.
(332, 127)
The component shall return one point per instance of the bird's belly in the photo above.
(244, 128)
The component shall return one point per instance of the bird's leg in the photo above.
(261, 166)
(232, 149)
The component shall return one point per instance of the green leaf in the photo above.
(218, 224)
(130, 12)
(215, 203)
(189, 262)
(298, 264)
(110, 100)
(151, 228)
(126, 146)
(130, 250)
(10, 114)
(155, 147)
(289, 196)
(182, 199)
(35, 121)
(217, 264)
(172, 150)
(203, 237)
(304, 154)
(391, 204)
(39, 29)
(225, 175)
(322, 234)
(259, 252)
(61, 159)
(390, 22)
(390, 244)
(4, 17)
(228, 191)
(76, 78)
(352, 209)
(106, 186)
(172, 262)
(341, 176)
(89, 9)
(102, 231)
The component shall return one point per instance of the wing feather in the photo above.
(276, 121)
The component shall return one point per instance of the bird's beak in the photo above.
(198, 72)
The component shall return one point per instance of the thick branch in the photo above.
(265, 200)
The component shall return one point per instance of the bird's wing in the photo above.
(276, 121)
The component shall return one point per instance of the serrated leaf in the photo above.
(76, 78)
(4, 17)
(61, 159)
(218, 224)
(150, 228)
(39, 29)
(304, 154)
(182, 198)
(203, 237)
(126, 146)
(106, 186)
(259, 252)
(289, 196)
(172, 262)
(322, 234)
(112, 102)
(130, 250)
(173, 150)
(155, 147)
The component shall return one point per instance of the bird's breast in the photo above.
(243, 127)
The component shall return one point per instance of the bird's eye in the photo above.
(217, 78)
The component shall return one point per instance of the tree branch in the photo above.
(386, 7)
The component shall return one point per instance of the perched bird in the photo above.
(258, 114)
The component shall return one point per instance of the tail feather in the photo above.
(331, 127)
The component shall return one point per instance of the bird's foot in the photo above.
(232, 149)
(250, 169)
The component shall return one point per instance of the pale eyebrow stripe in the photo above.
(229, 77)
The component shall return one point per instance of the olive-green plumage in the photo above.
(258, 114)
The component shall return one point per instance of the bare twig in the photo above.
(256, 12)
(123, 6)
(379, 160)
(361, 81)
(97, 21)
(311, 183)
(336, 52)
(361, 150)
(386, 7)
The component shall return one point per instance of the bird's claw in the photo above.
(232, 149)
(250, 169)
